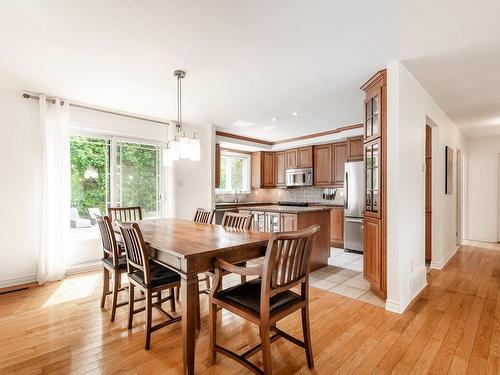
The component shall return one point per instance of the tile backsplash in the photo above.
(296, 194)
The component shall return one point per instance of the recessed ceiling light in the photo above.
(274, 119)
(295, 113)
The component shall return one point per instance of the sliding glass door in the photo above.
(109, 172)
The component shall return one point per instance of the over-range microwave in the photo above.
(299, 177)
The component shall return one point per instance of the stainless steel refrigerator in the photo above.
(353, 206)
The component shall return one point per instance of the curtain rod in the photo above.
(52, 100)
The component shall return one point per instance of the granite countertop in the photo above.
(334, 204)
(289, 209)
(230, 204)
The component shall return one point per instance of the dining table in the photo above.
(190, 248)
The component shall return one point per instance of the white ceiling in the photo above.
(249, 61)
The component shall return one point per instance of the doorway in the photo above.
(428, 194)
(459, 198)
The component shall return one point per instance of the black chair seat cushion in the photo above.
(122, 262)
(159, 276)
(248, 295)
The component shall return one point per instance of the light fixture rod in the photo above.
(180, 74)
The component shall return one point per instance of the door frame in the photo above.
(459, 198)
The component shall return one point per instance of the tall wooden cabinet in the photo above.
(281, 169)
(263, 170)
(374, 155)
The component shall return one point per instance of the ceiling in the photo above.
(250, 61)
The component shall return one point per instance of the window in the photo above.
(111, 172)
(234, 173)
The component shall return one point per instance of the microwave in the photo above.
(299, 177)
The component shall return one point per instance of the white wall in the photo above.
(20, 153)
(194, 180)
(482, 183)
(409, 108)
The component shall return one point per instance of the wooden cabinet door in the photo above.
(217, 165)
(339, 156)
(305, 157)
(355, 149)
(372, 257)
(373, 179)
(288, 222)
(256, 170)
(268, 170)
(337, 226)
(323, 165)
(291, 159)
(373, 113)
(280, 169)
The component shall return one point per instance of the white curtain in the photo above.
(54, 123)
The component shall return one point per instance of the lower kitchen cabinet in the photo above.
(372, 257)
(337, 227)
(288, 222)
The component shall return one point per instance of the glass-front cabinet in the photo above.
(372, 178)
(372, 115)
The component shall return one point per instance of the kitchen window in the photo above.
(234, 173)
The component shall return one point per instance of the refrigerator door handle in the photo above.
(354, 220)
(346, 200)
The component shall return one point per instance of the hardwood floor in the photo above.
(453, 328)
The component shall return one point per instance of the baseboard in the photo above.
(84, 267)
(20, 280)
(393, 306)
(486, 238)
(418, 282)
(439, 265)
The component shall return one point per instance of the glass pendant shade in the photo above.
(184, 148)
(195, 149)
(174, 150)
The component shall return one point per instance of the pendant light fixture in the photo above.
(181, 147)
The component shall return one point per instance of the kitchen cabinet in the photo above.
(355, 149)
(337, 227)
(372, 257)
(280, 169)
(375, 189)
(339, 157)
(323, 165)
(217, 165)
(291, 159)
(272, 222)
(305, 157)
(263, 170)
(288, 222)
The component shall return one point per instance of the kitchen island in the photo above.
(274, 218)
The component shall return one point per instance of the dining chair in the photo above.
(203, 215)
(267, 299)
(125, 213)
(149, 277)
(112, 263)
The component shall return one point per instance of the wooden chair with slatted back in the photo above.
(268, 298)
(149, 277)
(236, 220)
(125, 213)
(203, 215)
(113, 263)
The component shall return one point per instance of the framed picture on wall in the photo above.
(448, 188)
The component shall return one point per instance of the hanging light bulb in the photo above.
(174, 150)
(195, 148)
(184, 147)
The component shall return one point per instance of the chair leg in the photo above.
(307, 336)
(130, 304)
(207, 281)
(178, 294)
(105, 285)
(172, 300)
(243, 278)
(265, 339)
(149, 313)
(116, 287)
(158, 297)
(213, 333)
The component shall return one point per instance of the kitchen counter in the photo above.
(237, 204)
(328, 204)
(288, 209)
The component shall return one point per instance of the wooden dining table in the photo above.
(190, 248)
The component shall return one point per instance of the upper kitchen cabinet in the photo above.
(374, 105)
(281, 169)
(264, 170)
(339, 157)
(323, 165)
(305, 157)
(217, 165)
(355, 149)
(299, 158)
